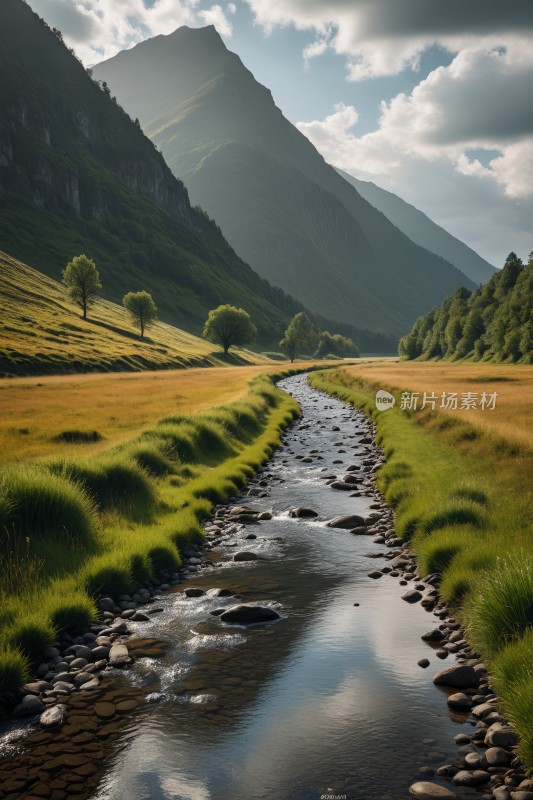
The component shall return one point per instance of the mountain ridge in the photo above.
(221, 132)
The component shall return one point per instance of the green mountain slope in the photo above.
(77, 175)
(422, 230)
(494, 323)
(278, 203)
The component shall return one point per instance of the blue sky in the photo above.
(430, 100)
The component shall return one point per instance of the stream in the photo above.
(327, 700)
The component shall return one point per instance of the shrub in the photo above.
(105, 576)
(502, 609)
(73, 613)
(14, 669)
(454, 513)
(31, 635)
(43, 505)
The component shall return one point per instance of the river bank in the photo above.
(303, 683)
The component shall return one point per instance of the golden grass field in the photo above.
(512, 418)
(42, 331)
(34, 411)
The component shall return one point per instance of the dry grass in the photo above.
(512, 419)
(42, 332)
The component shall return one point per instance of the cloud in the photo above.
(217, 17)
(382, 37)
(420, 152)
(98, 29)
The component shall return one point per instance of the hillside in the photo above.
(281, 207)
(422, 230)
(41, 331)
(78, 175)
(495, 323)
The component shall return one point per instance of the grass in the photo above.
(461, 486)
(43, 332)
(130, 512)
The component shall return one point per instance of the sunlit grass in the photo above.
(462, 489)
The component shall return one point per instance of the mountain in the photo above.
(422, 230)
(283, 209)
(77, 175)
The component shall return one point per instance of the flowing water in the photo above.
(328, 700)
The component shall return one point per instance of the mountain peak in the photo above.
(206, 35)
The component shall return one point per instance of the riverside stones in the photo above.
(476, 777)
(460, 702)
(245, 555)
(29, 706)
(460, 676)
(193, 591)
(303, 512)
(412, 596)
(119, 655)
(347, 521)
(244, 614)
(53, 717)
(501, 735)
(425, 790)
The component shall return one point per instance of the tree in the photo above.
(300, 333)
(229, 326)
(142, 308)
(81, 278)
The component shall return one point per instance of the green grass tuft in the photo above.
(14, 669)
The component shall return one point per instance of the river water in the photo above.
(329, 699)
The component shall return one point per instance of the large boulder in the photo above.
(245, 614)
(460, 676)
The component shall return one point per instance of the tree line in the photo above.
(493, 323)
(225, 325)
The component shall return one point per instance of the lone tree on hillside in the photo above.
(142, 309)
(82, 280)
(228, 326)
(300, 333)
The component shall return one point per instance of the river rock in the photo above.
(297, 513)
(375, 574)
(193, 591)
(460, 676)
(341, 486)
(501, 735)
(425, 790)
(476, 777)
(236, 510)
(36, 687)
(244, 614)
(412, 596)
(497, 757)
(53, 717)
(346, 521)
(434, 635)
(28, 707)
(119, 655)
(460, 702)
(219, 592)
(519, 794)
(264, 515)
(245, 555)
(424, 662)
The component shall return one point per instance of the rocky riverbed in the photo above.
(281, 661)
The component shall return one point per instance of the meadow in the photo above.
(461, 483)
(79, 523)
(42, 332)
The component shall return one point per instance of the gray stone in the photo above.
(193, 591)
(245, 555)
(53, 717)
(119, 655)
(459, 702)
(302, 512)
(342, 486)
(501, 735)
(476, 777)
(520, 794)
(36, 687)
(346, 521)
(244, 614)
(412, 596)
(434, 635)
(28, 707)
(425, 790)
(460, 676)
(497, 757)
(483, 710)
(100, 652)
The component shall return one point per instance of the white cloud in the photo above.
(217, 17)
(382, 37)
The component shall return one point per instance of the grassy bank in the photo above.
(463, 497)
(43, 332)
(73, 528)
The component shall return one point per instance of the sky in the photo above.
(429, 99)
